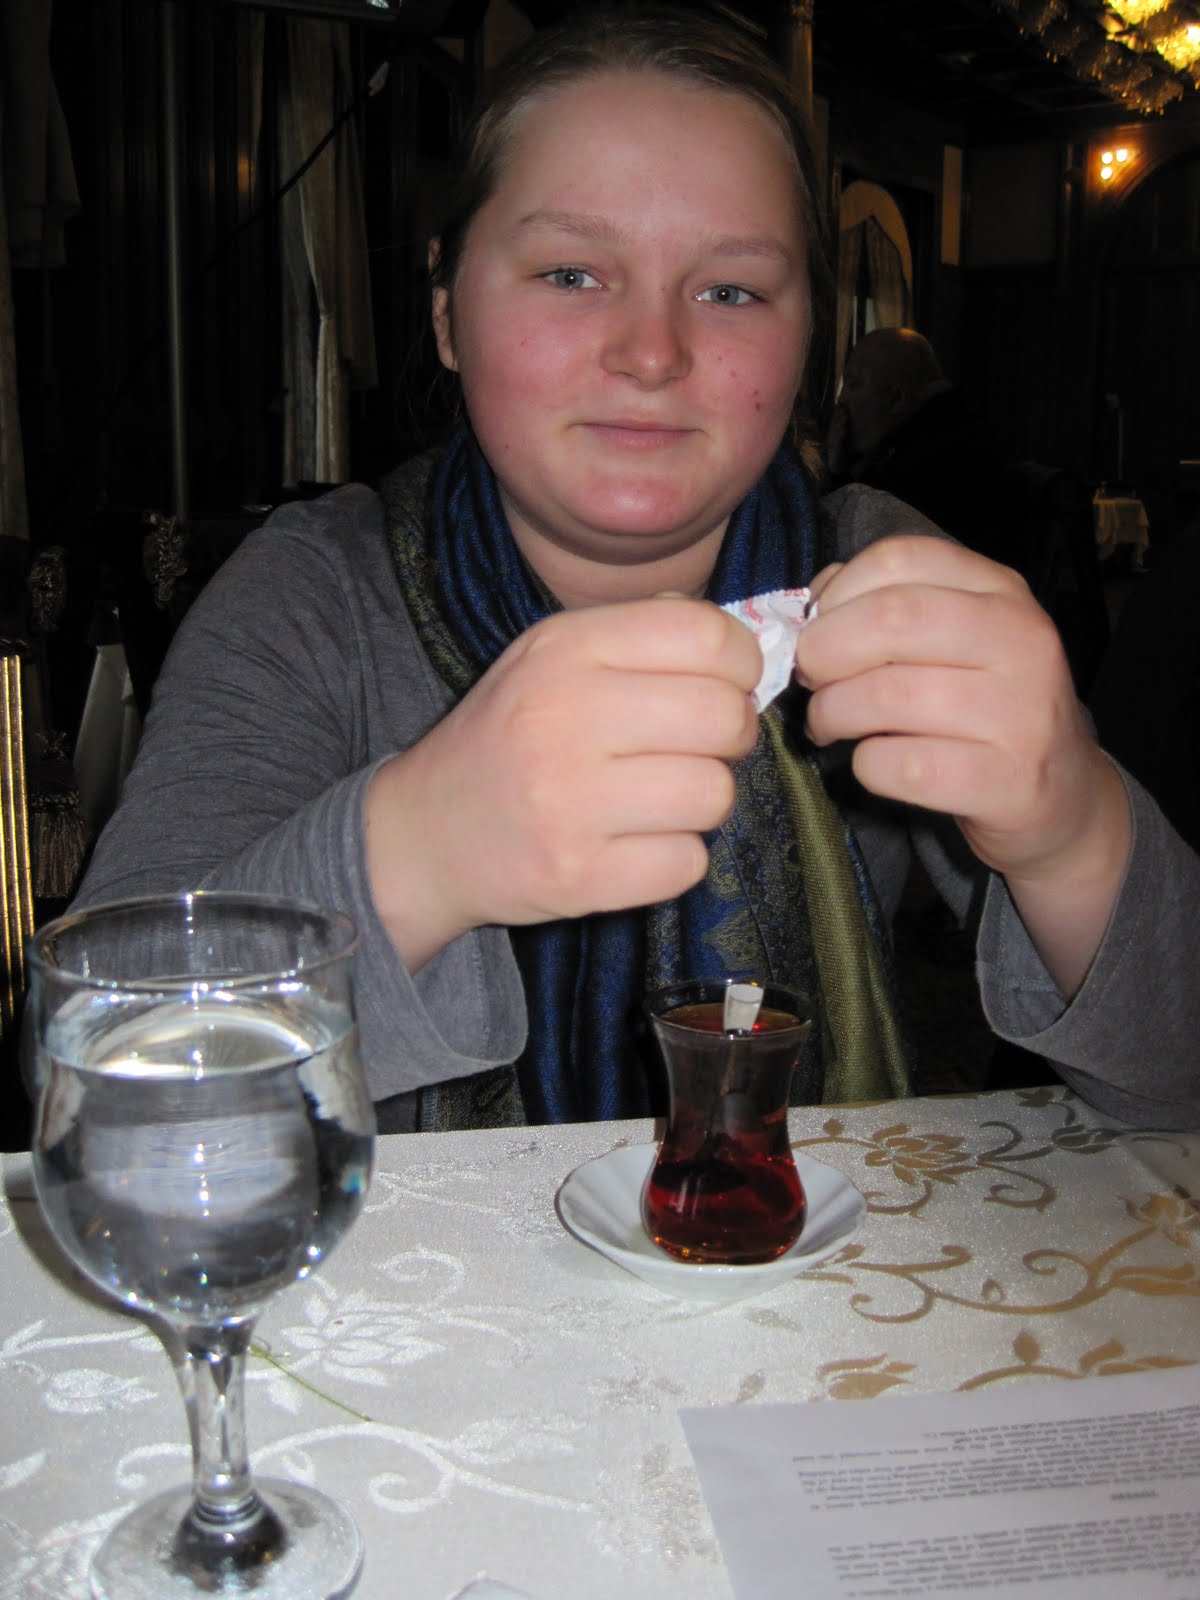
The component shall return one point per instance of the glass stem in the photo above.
(213, 1383)
(228, 1527)
(229, 1533)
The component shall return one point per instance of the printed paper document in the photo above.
(1079, 1490)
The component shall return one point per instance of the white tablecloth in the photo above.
(486, 1394)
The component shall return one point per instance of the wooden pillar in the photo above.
(798, 54)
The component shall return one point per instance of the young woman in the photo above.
(494, 713)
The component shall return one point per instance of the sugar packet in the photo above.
(775, 619)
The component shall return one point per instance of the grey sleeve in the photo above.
(856, 515)
(1128, 1040)
(293, 675)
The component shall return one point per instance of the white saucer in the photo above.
(600, 1204)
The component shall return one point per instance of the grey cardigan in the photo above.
(297, 672)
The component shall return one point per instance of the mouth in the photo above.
(637, 434)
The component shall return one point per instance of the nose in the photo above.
(648, 340)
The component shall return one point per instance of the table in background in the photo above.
(485, 1393)
(1120, 519)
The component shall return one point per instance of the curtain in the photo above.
(38, 194)
(883, 285)
(887, 285)
(328, 333)
(14, 520)
(874, 266)
(39, 176)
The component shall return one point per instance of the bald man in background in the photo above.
(899, 424)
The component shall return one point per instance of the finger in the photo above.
(643, 869)
(642, 794)
(631, 795)
(957, 776)
(633, 712)
(662, 794)
(824, 578)
(998, 629)
(658, 635)
(943, 702)
(904, 559)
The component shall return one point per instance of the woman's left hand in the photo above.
(954, 685)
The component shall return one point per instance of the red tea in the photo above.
(724, 1187)
(727, 1203)
(709, 1017)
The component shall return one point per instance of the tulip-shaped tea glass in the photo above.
(203, 1137)
(724, 1185)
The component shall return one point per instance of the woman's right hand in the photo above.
(577, 776)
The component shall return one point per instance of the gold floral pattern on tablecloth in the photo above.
(904, 1164)
(921, 1159)
(868, 1376)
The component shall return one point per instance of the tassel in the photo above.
(59, 834)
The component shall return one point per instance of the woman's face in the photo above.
(629, 320)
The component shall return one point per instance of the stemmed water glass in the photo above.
(203, 1137)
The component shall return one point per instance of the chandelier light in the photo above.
(1143, 53)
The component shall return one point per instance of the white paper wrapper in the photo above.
(742, 1004)
(775, 619)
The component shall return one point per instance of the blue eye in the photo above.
(571, 278)
(727, 294)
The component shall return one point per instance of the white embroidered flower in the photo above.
(84, 1390)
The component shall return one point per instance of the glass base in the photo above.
(320, 1561)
